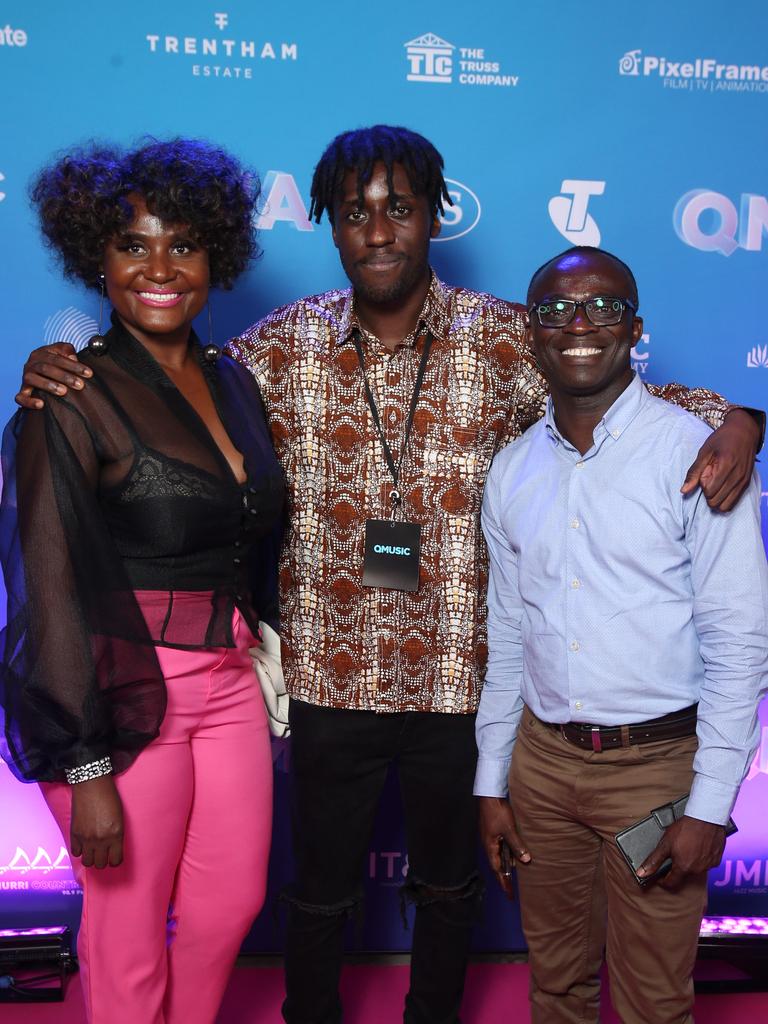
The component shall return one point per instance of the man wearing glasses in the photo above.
(628, 651)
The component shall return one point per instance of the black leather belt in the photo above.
(609, 737)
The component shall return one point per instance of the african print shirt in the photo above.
(350, 646)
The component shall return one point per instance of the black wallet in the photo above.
(639, 840)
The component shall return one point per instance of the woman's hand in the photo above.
(96, 832)
(51, 368)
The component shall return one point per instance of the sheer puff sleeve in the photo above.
(79, 678)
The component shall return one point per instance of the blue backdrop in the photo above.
(641, 128)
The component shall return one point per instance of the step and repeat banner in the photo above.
(639, 128)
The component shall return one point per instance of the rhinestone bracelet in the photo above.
(93, 770)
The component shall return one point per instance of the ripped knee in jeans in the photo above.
(454, 904)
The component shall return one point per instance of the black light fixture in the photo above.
(34, 964)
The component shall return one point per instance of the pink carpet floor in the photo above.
(373, 994)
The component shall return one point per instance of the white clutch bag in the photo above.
(269, 671)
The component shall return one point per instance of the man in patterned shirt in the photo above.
(380, 675)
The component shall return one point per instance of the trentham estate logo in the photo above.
(711, 222)
(758, 357)
(432, 59)
(224, 55)
(702, 74)
(568, 211)
(70, 325)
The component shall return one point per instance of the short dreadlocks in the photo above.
(359, 150)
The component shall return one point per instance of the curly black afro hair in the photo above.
(82, 201)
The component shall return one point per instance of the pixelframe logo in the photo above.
(700, 74)
(432, 59)
(458, 220)
(709, 221)
(568, 211)
(224, 55)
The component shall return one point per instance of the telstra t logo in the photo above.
(568, 211)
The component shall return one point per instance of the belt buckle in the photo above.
(597, 743)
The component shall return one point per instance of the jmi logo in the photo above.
(744, 874)
(432, 59)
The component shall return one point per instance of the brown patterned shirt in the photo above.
(345, 645)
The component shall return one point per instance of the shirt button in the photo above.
(236, 561)
(238, 597)
(615, 433)
(237, 543)
(575, 584)
(574, 645)
(253, 511)
(251, 490)
(578, 705)
(580, 465)
(575, 524)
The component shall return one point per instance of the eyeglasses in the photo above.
(602, 311)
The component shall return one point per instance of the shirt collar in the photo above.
(616, 419)
(434, 316)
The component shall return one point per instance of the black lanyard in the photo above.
(395, 497)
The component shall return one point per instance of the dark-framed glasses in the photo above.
(600, 310)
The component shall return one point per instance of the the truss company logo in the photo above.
(70, 325)
(13, 36)
(463, 216)
(702, 74)
(568, 211)
(221, 52)
(758, 356)
(711, 222)
(42, 861)
(432, 59)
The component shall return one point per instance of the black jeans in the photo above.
(339, 762)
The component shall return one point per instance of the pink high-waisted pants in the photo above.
(159, 934)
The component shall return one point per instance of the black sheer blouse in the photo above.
(115, 489)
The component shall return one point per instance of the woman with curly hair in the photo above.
(137, 518)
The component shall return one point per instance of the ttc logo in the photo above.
(430, 59)
(570, 216)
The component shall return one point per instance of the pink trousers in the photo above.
(159, 935)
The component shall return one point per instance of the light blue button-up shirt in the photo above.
(614, 599)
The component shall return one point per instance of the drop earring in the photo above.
(211, 352)
(98, 344)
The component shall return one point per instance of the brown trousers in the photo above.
(578, 896)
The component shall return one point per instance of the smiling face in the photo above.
(156, 276)
(582, 358)
(383, 244)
